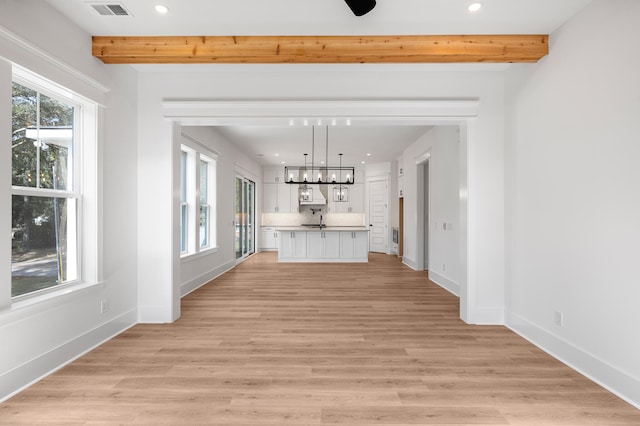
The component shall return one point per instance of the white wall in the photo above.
(42, 336)
(442, 145)
(200, 269)
(572, 198)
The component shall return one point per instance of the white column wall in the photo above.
(573, 203)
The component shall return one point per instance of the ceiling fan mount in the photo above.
(361, 7)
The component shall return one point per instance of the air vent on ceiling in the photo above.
(110, 9)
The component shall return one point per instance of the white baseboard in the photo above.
(487, 316)
(203, 279)
(410, 263)
(606, 375)
(23, 376)
(153, 315)
(444, 282)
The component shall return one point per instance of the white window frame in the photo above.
(184, 204)
(210, 202)
(195, 154)
(86, 176)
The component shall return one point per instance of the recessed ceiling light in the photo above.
(277, 155)
(474, 7)
(162, 9)
(368, 154)
(362, 162)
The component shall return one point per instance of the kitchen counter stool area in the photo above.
(327, 244)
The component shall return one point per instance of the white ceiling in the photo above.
(383, 143)
(322, 17)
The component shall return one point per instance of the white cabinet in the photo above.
(268, 238)
(356, 198)
(400, 187)
(270, 198)
(279, 198)
(332, 245)
(323, 245)
(315, 245)
(292, 245)
(354, 245)
(284, 198)
(288, 198)
(273, 175)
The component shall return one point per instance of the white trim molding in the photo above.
(417, 111)
(23, 376)
(619, 382)
(444, 282)
(19, 44)
(281, 112)
(194, 284)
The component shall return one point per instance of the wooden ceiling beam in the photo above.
(320, 49)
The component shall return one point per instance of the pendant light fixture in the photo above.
(304, 192)
(340, 191)
(327, 175)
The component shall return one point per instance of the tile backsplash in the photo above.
(306, 216)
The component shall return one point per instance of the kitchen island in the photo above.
(323, 244)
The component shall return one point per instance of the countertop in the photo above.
(324, 228)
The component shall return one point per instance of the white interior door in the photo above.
(378, 216)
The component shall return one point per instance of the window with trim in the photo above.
(184, 206)
(197, 201)
(45, 189)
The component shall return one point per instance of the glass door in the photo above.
(245, 217)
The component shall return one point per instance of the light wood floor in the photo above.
(306, 344)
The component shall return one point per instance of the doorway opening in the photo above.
(428, 112)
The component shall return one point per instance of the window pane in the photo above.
(250, 218)
(183, 227)
(42, 140)
(204, 226)
(55, 143)
(204, 181)
(183, 177)
(24, 116)
(43, 243)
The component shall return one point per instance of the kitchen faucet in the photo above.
(320, 221)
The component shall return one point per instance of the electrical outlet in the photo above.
(558, 318)
(104, 306)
